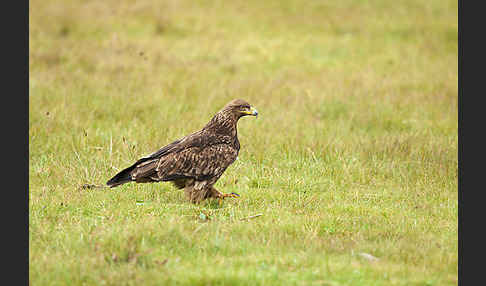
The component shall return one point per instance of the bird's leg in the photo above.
(195, 196)
(220, 196)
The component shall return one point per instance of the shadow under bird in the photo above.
(195, 162)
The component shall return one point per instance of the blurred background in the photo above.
(319, 69)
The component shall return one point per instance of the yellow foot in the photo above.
(222, 196)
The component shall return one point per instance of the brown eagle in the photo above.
(196, 161)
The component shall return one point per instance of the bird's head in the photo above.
(225, 120)
(240, 108)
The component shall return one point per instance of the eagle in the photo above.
(195, 162)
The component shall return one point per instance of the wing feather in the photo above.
(197, 163)
(200, 156)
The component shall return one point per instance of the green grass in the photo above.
(354, 150)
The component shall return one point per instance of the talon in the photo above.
(231, 195)
(222, 196)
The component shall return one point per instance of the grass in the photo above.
(354, 150)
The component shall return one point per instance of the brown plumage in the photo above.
(196, 161)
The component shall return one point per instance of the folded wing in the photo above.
(187, 158)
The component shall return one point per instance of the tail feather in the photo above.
(121, 178)
(142, 170)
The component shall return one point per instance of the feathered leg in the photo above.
(195, 191)
(196, 196)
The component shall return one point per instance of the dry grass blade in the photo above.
(163, 262)
(251, 217)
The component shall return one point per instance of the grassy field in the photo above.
(354, 152)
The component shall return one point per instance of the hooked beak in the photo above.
(252, 112)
